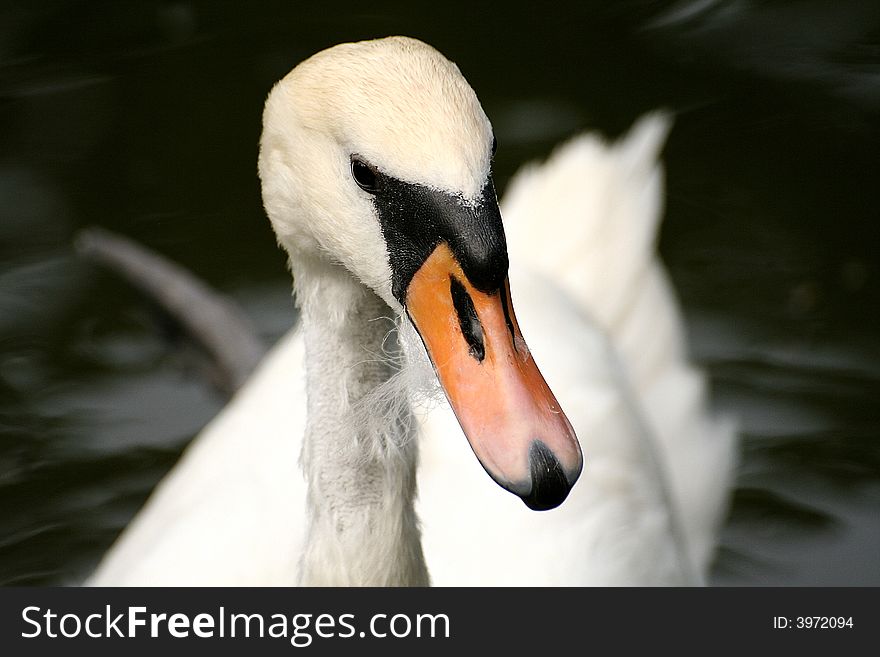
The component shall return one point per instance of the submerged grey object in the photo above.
(213, 320)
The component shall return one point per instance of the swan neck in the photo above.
(358, 455)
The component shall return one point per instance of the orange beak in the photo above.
(508, 413)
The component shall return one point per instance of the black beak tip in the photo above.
(550, 484)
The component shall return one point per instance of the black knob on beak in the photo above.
(550, 485)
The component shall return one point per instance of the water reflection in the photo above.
(144, 119)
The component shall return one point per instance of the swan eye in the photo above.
(364, 175)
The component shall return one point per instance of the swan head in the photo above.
(376, 157)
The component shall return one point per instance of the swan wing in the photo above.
(232, 511)
(587, 219)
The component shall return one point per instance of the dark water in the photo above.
(144, 117)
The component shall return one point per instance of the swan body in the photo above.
(600, 318)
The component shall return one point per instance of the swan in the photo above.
(376, 170)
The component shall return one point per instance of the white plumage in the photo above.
(599, 316)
